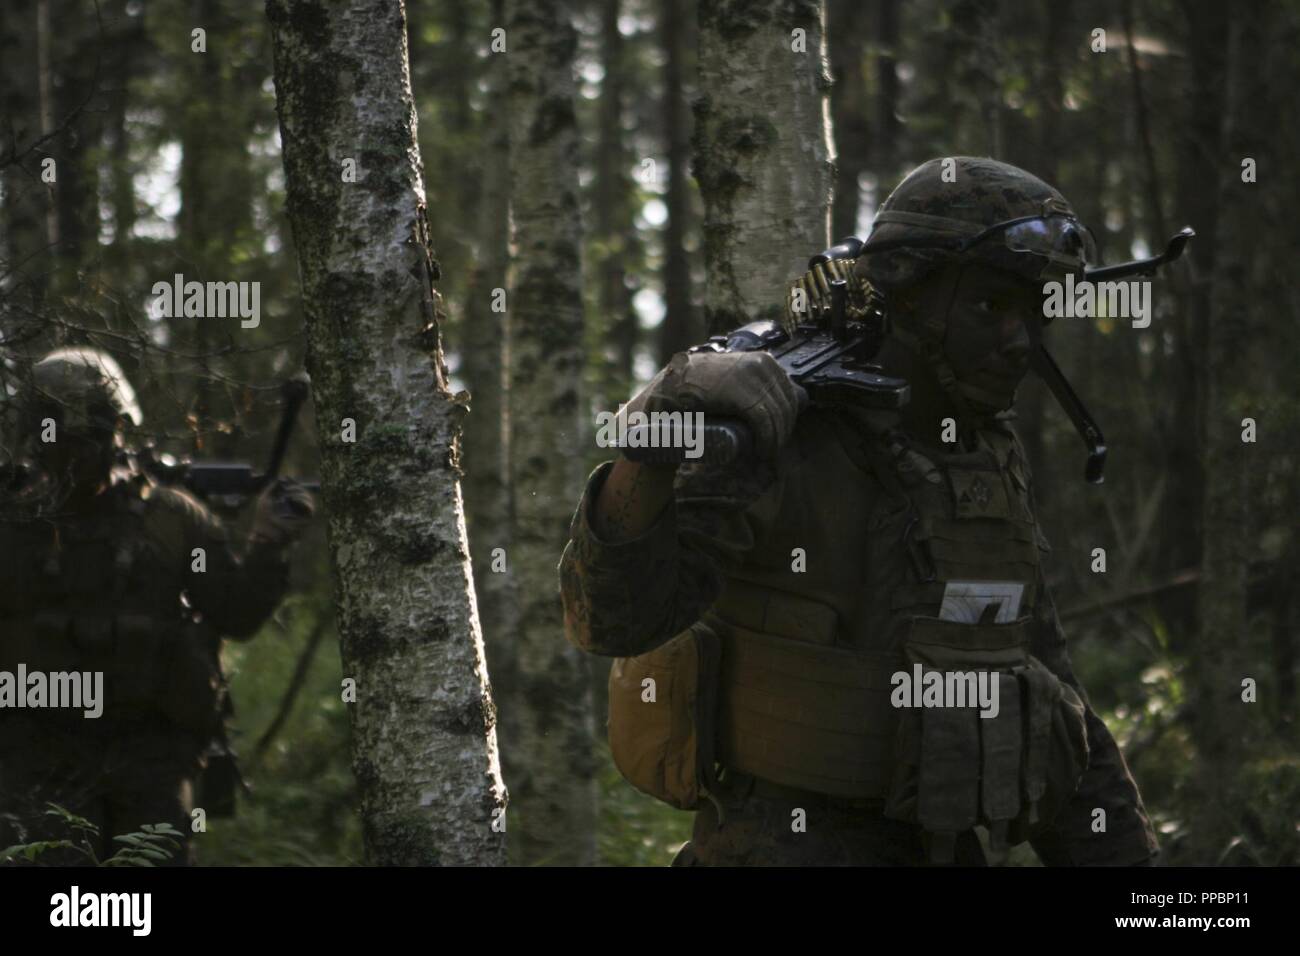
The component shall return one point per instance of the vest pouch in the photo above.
(778, 613)
(959, 761)
(1056, 748)
(1010, 771)
(661, 717)
(806, 715)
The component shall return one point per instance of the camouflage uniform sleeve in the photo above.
(1070, 840)
(627, 598)
(235, 593)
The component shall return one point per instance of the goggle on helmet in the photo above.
(1045, 246)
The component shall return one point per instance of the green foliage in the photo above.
(635, 829)
(301, 811)
(155, 843)
(150, 845)
(1268, 795)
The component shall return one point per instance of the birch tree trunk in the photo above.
(849, 29)
(126, 56)
(615, 213)
(763, 156)
(887, 132)
(484, 365)
(423, 723)
(549, 756)
(680, 328)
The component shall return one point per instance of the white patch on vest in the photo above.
(923, 688)
(964, 601)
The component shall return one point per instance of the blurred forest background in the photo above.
(168, 161)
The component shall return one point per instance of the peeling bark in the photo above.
(423, 725)
(763, 155)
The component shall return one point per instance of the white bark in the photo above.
(484, 369)
(548, 718)
(423, 734)
(763, 155)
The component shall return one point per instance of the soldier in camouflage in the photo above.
(799, 752)
(106, 571)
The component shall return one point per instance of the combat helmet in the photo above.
(968, 209)
(84, 389)
(971, 209)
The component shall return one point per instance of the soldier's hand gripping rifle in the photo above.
(834, 329)
(226, 484)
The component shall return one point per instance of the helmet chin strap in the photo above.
(994, 402)
(968, 400)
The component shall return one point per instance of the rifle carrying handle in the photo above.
(723, 441)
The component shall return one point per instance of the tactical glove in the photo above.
(749, 386)
(283, 511)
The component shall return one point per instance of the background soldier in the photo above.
(102, 572)
(773, 681)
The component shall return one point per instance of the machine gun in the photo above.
(830, 354)
(227, 485)
(836, 326)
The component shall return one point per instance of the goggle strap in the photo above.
(926, 221)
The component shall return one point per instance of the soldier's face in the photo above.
(994, 323)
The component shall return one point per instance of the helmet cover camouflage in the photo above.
(986, 211)
(84, 388)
